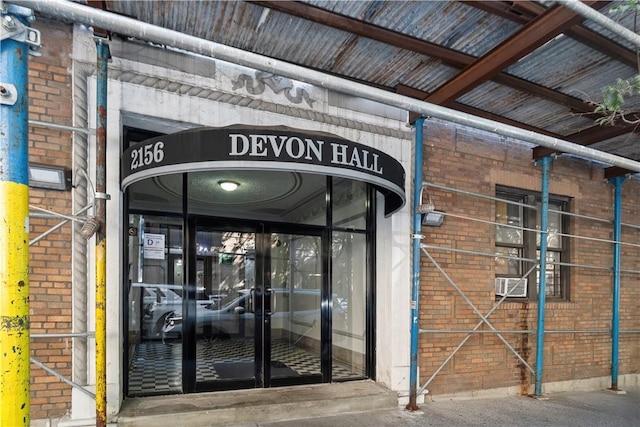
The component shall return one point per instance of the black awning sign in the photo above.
(273, 148)
(294, 147)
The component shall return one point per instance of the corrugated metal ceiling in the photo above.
(419, 48)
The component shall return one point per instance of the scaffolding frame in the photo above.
(79, 217)
(536, 262)
(102, 19)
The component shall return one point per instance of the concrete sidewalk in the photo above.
(368, 404)
(583, 409)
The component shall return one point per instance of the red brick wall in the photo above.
(50, 100)
(466, 160)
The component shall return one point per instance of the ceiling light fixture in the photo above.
(228, 185)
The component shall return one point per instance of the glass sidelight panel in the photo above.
(155, 290)
(349, 203)
(349, 329)
(296, 283)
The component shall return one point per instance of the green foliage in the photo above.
(613, 99)
(631, 5)
(615, 95)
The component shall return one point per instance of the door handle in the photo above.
(251, 302)
(273, 301)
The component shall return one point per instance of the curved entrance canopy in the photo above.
(260, 148)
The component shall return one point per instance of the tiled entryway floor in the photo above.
(156, 368)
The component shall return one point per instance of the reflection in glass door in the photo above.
(154, 292)
(262, 325)
(243, 307)
(225, 326)
(296, 281)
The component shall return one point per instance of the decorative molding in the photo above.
(161, 82)
(277, 84)
(80, 197)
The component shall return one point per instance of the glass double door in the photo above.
(257, 312)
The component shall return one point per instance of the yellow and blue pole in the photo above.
(14, 229)
(101, 236)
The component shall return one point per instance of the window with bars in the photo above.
(517, 244)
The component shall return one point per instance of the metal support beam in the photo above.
(542, 282)
(131, 27)
(528, 38)
(101, 236)
(588, 136)
(448, 56)
(589, 13)
(47, 125)
(14, 217)
(65, 335)
(59, 225)
(523, 12)
(61, 377)
(485, 254)
(415, 269)
(615, 315)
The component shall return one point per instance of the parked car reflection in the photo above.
(233, 314)
(158, 300)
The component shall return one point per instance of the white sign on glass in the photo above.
(153, 246)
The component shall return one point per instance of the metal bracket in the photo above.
(103, 196)
(8, 94)
(12, 29)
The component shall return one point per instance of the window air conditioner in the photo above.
(512, 286)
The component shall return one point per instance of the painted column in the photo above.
(542, 278)
(615, 315)
(101, 237)
(14, 227)
(415, 285)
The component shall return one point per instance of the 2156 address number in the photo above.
(147, 155)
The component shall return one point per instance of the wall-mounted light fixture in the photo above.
(433, 219)
(49, 177)
(430, 217)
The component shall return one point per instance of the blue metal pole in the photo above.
(615, 316)
(542, 278)
(415, 285)
(14, 228)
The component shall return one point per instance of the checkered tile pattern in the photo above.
(156, 368)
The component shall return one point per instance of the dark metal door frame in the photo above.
(262, 303)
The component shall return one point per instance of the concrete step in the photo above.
(256, 405)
